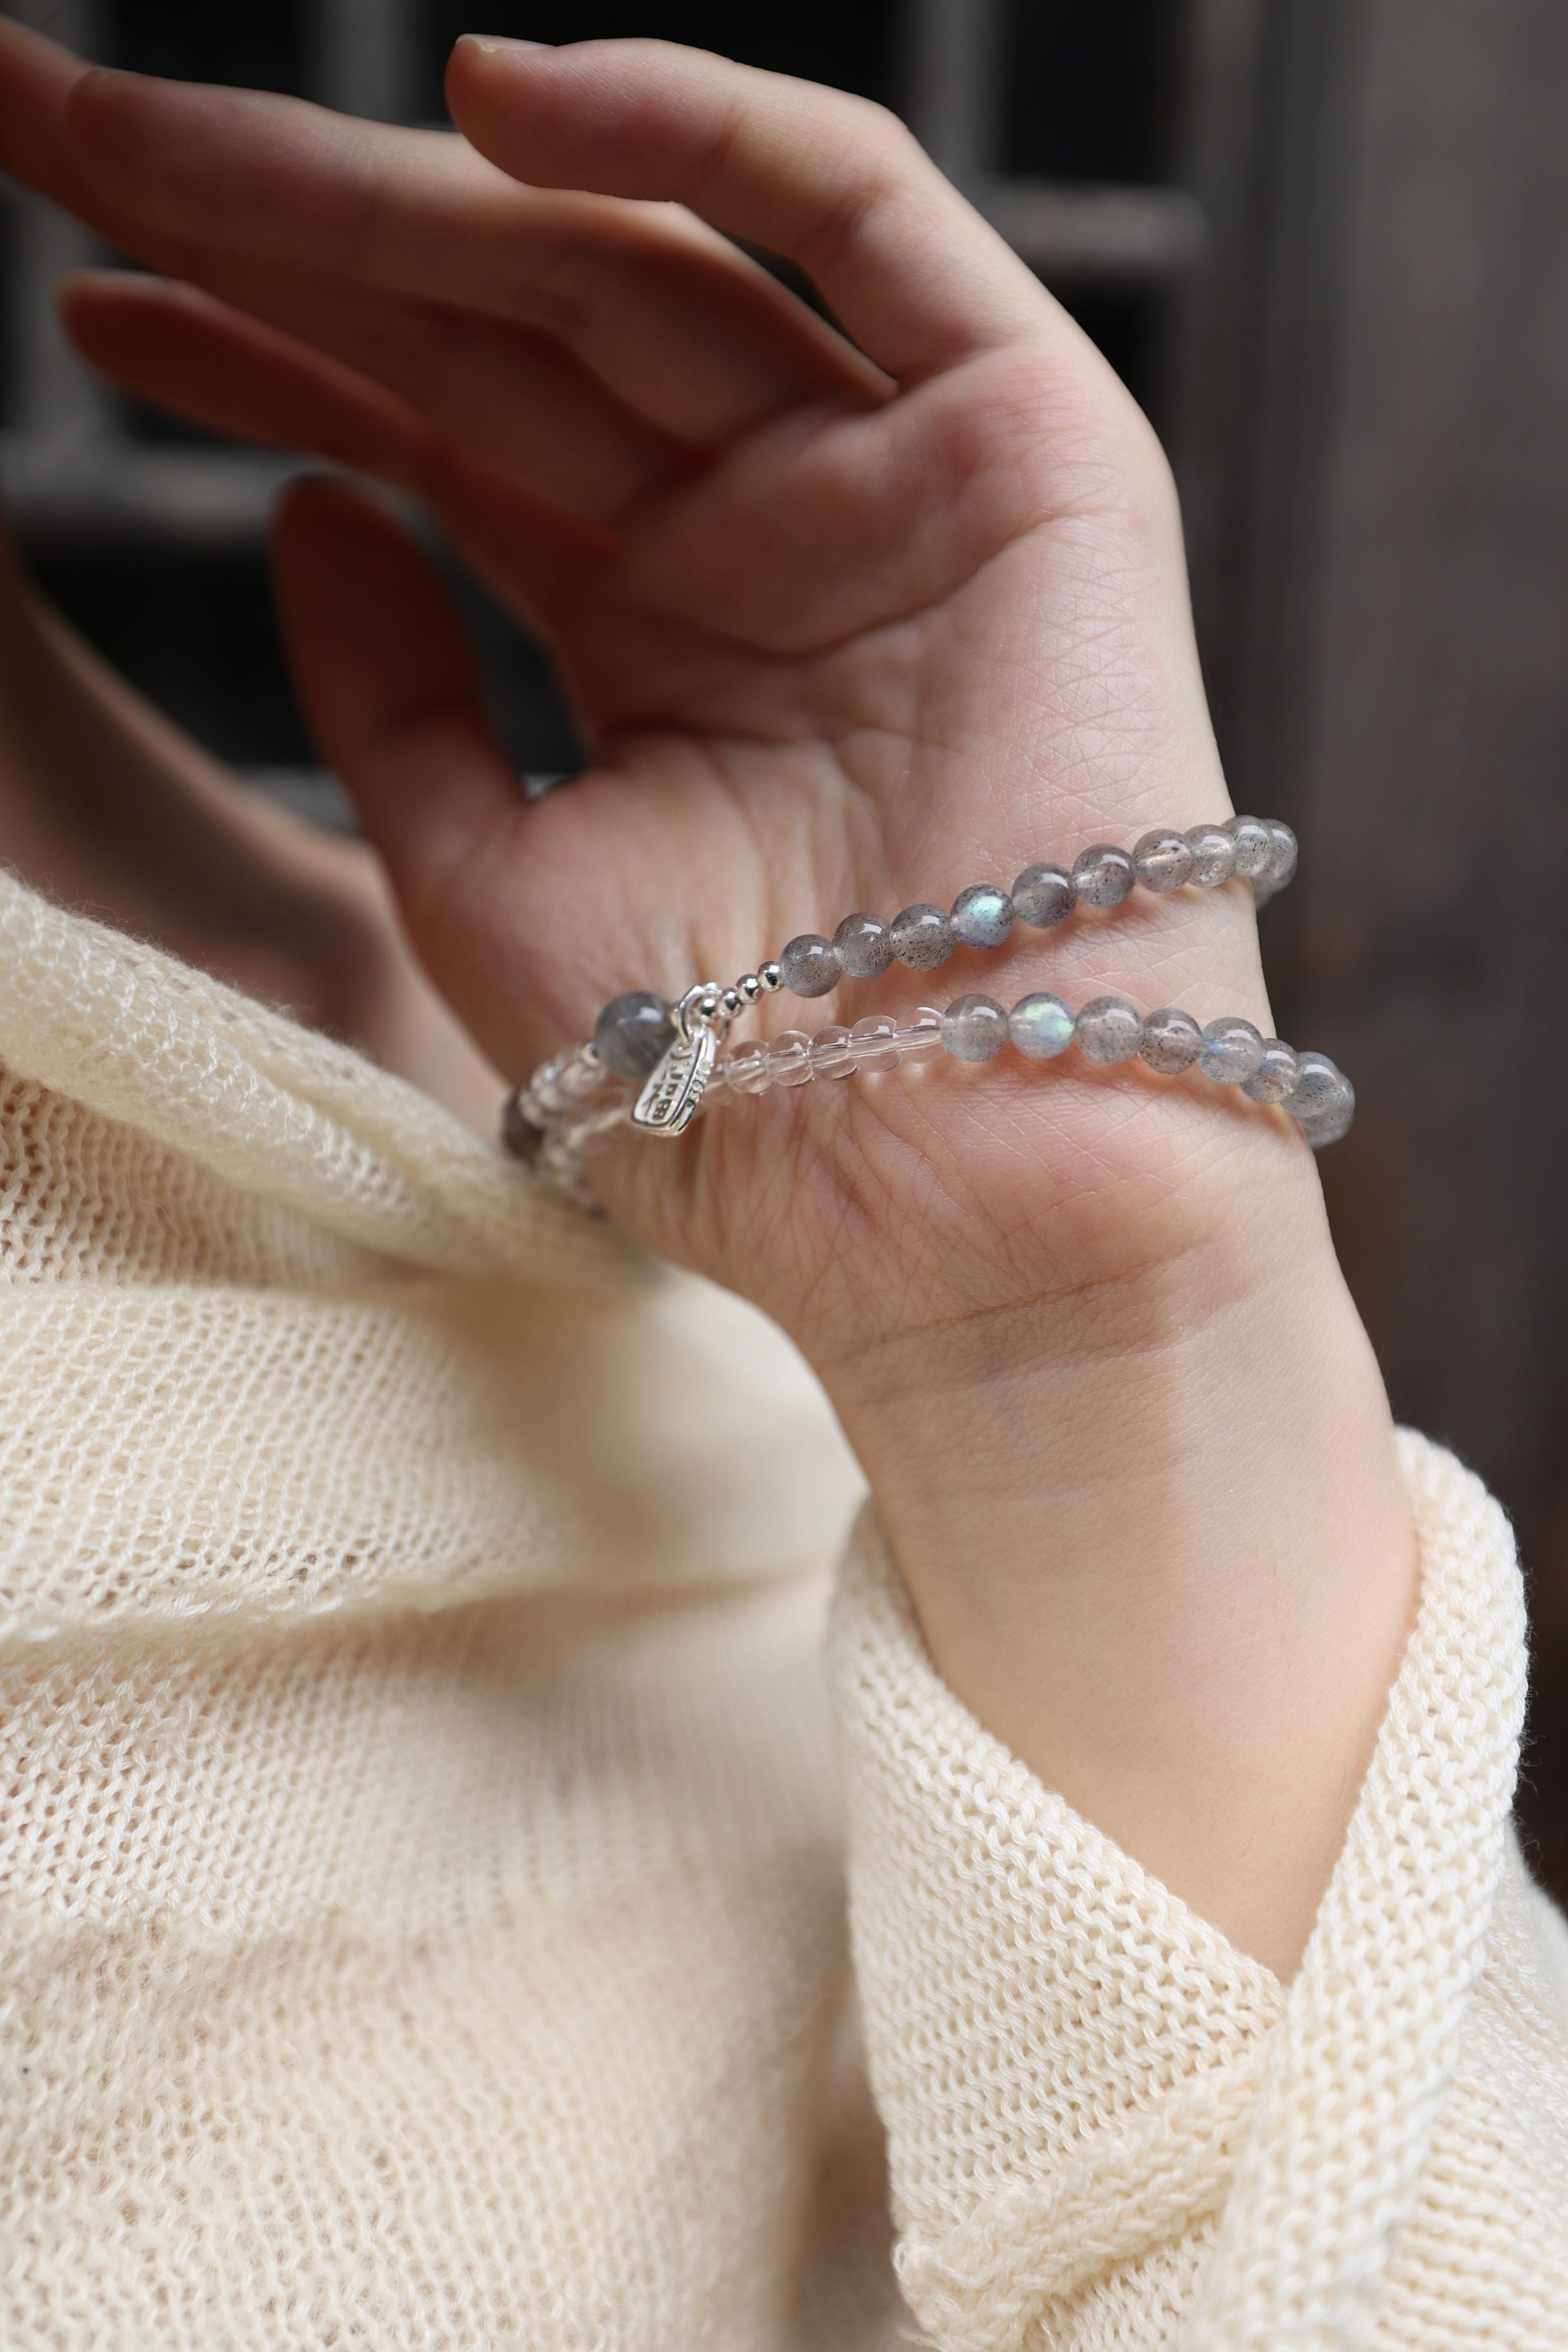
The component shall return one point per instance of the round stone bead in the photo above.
(1213, 856)
(634, 1032)
(981, 916)
(1232, 1051)
(862, 946)
(920, 1034)
(1040, 1026)
(974, 1028)
(789, 1059)
(1103, 876)
(747, 1068)
(832, 1055)
(1162, 859)
(1108, 1029)
(1253, 846)
(810, 966)
(1319, 1084)
(1281, 866)
(922, 937)
(874, 1043)
(1043, 896)
(1275, 1074)
(1335, 1118)
(1172, 1041)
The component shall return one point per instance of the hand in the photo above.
(845, 624)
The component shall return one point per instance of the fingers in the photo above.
(686, 330)
(391, 695)
(836, 185)
(178, 348)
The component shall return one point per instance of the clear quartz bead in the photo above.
(1041, 1026)
(1213, 856)
(789, 1059)
(1172, 1041)
(1275, 1074)
(1108, 1029)
(1253, 846)
(1232, 1051)
(1163, 860)
(923, 937)
(974, 1028)
(748, 1068)
(874, 1043)
(920, 1034)
(981, 916)
(863, 946)
(1043, 896)
(832, 1055)
(809, 965)
(1102, 875)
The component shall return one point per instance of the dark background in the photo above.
(1326, 244)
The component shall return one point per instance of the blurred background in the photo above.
(1325, 242)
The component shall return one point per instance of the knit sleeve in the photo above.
(1107, 2126)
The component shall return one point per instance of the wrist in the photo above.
(1153, 1528)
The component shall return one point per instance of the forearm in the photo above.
(1158, 1542)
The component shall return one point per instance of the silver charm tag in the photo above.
(668, 1103)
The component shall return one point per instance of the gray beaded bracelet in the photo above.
(670, 1054)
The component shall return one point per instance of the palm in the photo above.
(836, 637)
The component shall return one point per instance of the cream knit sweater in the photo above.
(423, 1920)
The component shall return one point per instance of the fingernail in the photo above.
(490, 43)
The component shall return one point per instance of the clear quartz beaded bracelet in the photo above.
(653, 1065)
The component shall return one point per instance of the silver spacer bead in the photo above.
(772, 977)
(732, 1000)
(749, 989)
(589, 1054)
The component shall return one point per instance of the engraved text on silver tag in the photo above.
(668, 1103)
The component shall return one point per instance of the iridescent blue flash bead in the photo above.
(1041, 1026)
(809, 965)
(634, 1032)
(974, 1028)
(983, 916)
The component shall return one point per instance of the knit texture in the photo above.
(1109, 2128)
(421, 1878)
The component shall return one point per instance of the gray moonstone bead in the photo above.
(1041, 1026)
(863, 946)
(809, 965)
(1108, 1029)
(1213, 856)
(1275, 1074)
(634, 1032)
(974, 1028)
(922, 937)
(1335, 1119)
(1163, 860)
(1318, 1088)
(1281, 868)
(1044, 896)
(1172, 1041)
(1232, 1051)
(1103, 876)
(1253, 846)
(981, 916)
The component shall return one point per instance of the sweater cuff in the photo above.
(1073, 2067)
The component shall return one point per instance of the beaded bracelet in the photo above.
(671, 1053)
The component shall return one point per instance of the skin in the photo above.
(847, 621)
